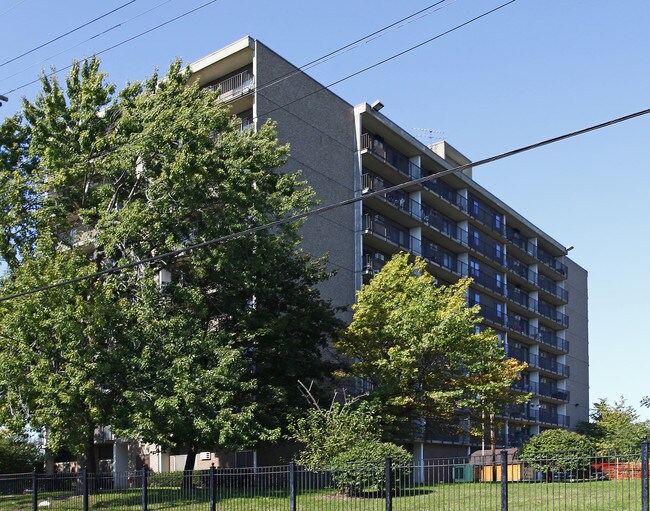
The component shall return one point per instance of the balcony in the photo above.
(515, 237)
(388, 154)
(446, 192)
(552, 288)
(520, 354)
(396, 198)
(549, 364)
(488, 217)
(520, 325)
(378, 226)
(517, 295)
(554, 418)
(490, 313)
(548, 311)
(493, 282)
(551, 261)
(521, 269)
(490, 249)
(235, 86)
(443, 258)
(373, 262)
(551, 391)
(550, 338)
(527, 387)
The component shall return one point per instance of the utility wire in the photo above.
(392, 57)
(12, 7)
(176, 18)
(342, 49)
(322, 209)
(95, 36)
(67, 33)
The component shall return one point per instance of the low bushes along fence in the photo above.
(562, 483)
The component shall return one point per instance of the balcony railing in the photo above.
(551, 338)
(548, 311)
(490, 219)
(234, 86)
(515, 237)
(551, 287)
(519, 268)
(551, 390)
(488, 312)
(388, 154)
(373, 262)
(525, 412)
(492, 250)
(520, 325)
(557, 419)
(551, 261)
(444, 191)
(518, 295)
(549, 364)
(387, 231)
(440, 257)
(397, 198)
(493, 282)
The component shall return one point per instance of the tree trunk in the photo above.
(493, 441)
(189, 468)
(90, 460)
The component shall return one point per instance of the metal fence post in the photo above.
(34, 491)
(292, 486)
(644, 475)
(144, 488)
(85, 490)
(389, 484)
(504, 480)
(213, 488)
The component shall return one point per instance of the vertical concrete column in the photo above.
(418, 462)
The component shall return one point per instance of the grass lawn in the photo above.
(582, 496)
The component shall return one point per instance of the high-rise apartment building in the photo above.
(529, 291)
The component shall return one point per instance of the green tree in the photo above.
(418, 346)
(615, 428)
(18, 453)
(346, 438)
(197, 351)
(558, 450)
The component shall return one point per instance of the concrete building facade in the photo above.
(529, 291)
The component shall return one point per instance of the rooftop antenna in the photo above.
(431, 135)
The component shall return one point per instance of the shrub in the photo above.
(362, 467)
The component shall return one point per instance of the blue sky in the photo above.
(529, 71)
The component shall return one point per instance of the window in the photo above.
(474, 268)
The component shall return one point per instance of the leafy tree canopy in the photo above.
(419, 346)
(18, 453)
(615, 429)
(201, 350)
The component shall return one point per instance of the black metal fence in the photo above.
(480, 483)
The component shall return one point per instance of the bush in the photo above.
(362, 467)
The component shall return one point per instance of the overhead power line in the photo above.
(164, 23)
(12, 7)
(392, 57)
(348, 46)
(67, 33)
(94, 36)
(323, 209)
